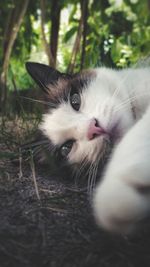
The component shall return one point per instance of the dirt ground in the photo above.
(47, 221)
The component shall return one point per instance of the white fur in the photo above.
(113, 97)
(118, 204)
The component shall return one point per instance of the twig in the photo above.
(55, 209)
(34, 176)
(20, 164)
(47, 191)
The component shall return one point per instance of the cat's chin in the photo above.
(103, 147)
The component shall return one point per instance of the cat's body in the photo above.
(90, 110)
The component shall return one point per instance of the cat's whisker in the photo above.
(95, 176)
(114, 95)
(78, 171)
(36, 151)
(111, 101)
(51, 105)
(82, 167)
(124, 104)
(92, 177)
(93, 180)
(129, 100)
(117, 90)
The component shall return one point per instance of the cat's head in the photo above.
(85, 112)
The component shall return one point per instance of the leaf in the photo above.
(70, 33)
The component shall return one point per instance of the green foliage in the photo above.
(131, 32)
(117, 35)
(122, 35)
(17, 74)
(70, 33)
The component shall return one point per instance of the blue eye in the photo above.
(75, 101)
(66, 148)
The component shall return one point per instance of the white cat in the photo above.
(89, 110)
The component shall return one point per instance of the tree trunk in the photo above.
(55, 23)
(84, 8)
(13, 28)
(45, 43)
(77, 42)
(76, 48)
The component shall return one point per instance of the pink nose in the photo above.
(94, 130)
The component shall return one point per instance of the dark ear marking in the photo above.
(57, 85)
(44, 75)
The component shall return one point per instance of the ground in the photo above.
(46, 221)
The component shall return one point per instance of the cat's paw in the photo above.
(118, 206)
(122, 199)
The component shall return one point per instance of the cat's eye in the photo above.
(66, 148)
(75, 101)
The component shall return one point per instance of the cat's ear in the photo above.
(44, 75)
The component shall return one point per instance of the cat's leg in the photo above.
(122, 198)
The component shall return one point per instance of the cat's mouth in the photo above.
(111, 134)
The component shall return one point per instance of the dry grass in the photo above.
(15, 130)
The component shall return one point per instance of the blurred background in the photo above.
(69, 35)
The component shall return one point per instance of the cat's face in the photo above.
(86, 113)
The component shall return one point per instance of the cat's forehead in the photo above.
(60, 90)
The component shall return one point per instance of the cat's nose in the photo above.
(94, 130)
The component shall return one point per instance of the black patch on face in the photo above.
(44, 75)
(73, 85)
(56, 85)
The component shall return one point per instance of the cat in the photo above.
(87, 112)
